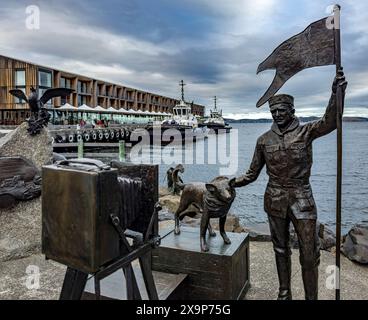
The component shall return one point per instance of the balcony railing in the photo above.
(13, 117)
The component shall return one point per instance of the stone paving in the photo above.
(263, 276)
(264, 284)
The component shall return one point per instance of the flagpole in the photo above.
(339, 106)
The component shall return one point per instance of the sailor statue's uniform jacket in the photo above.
(288, 159)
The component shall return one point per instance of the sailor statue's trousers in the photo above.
(308, 247)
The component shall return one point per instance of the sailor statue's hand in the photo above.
(339, 81)
(238, 182)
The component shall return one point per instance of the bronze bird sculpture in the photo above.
(39, 115)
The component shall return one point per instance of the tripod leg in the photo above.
(74, 284)
(145, 263)
(97, 289)
(131, 282)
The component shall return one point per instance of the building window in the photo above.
(20, 83)
(65, 83)
(82, 87)
(45, 79)
(20, 78)
(82, 100)
(44, 82)
(100, 90)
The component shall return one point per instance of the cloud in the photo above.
(215, 46)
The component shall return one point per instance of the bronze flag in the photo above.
(313, 47)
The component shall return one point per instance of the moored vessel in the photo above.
(183, 117)
(215, 121)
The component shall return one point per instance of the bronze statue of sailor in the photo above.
(286, 150)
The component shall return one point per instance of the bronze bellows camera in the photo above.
(87, 207)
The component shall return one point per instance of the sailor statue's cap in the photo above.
(281, 99)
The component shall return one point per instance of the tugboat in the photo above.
(183, 117)
(215, 121)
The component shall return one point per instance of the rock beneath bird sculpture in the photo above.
(327, 237)
(20, 230)
(20, 180)
(355, 246)
(20, 226)
(37, 148)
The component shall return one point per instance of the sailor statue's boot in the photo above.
(310, 281)
(284, 273)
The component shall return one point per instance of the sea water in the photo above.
(248, 204)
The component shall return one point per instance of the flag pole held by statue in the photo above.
(339, 105)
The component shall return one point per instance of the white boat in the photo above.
(215, 120)
(182, 116)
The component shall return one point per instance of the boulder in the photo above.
(170, 202)
(355, 246)
(232, 223)
(258, 235)
(20, 226)
(20, 230)
(163, 191)
(20, 180)
(36, 148)
(327, 238)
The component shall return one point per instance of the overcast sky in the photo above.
(214, 45)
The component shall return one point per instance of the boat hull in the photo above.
(156, 135)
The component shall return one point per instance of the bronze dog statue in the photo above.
(212, 200)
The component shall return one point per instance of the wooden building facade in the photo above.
(92, 92)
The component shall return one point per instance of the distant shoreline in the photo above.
(302, 119)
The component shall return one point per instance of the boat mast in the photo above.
(182, 84)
